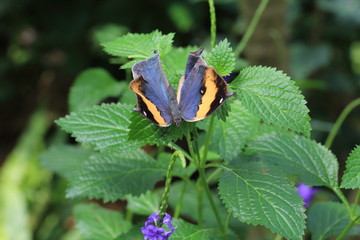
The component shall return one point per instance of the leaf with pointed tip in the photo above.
(97, 223)
(273, 97)
(326, 219)
(92, 86)
(256, 193)
(140, 46)
(294, 154)
(351, 178)
(112, 176)
(105, 127)
(222, 58)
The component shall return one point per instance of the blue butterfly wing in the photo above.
(150, 86)
(201, 91)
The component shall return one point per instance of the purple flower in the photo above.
(152, 232)
(307, 193)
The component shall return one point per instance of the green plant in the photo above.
(253, 149)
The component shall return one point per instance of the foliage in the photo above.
(262, 141)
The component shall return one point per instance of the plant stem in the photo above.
(356, 202)
(166, 193)
(200, 203)
(212, 22)
(340, 120)
(249, 32)
(344, 200)
(211, 200)
(208, 139)
(191, 149)
(178, 148)
(227, 220)
(347, 229)
(278, 237)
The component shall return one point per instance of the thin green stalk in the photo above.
(249, 32)
(347, 229)
(210, 198)
(344, 200)
(191, 148)
(165, 196)
(178, 148)
(278, 237)
(200, 204)
(212, 22)
(208, 138)
(227, 220)
(340, 120)
(356, 202)
(214, 174)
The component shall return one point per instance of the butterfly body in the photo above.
(200, 92)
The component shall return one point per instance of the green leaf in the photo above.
(96, 223)
(144, 131)
(231, 136)
(140, 46)
(105, 127)
(112, 176)
(92, 86)
(223, 112)
(294, 154)
(256, 193)
(222, 58)
(272, 96)
(351, 178)
(186, 194)
(145, 204)
(326, 219)
(65, 160)
(188, 231)
(175, 63)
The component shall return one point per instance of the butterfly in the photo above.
(200, 91)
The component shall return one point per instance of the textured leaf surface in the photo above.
(141, 129)
(145, 204)
(175, 63)
(258, 194)
(326, 219)
(231, 136)
(140, 46)
(273, 97)
(351, 178)
(65, 160)
(294, 154)
(187, 231)
(92, 86)
(112, 176)
(96, 223)
(222, 58)
(105, 127)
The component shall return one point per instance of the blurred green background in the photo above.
(44, 45)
